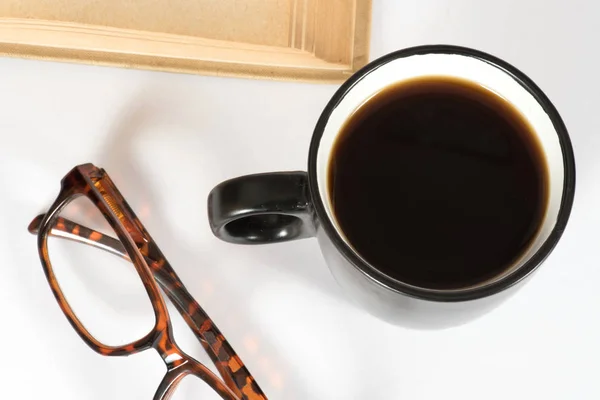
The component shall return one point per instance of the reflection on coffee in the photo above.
(438, 183)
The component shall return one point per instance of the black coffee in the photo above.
(438, 183)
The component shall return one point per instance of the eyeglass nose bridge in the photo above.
(168, 350)
(179, 365)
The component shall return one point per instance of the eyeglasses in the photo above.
(134, 243)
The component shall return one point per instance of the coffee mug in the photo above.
(282, 206)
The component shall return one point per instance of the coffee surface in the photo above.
(438, 183)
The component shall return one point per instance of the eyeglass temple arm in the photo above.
(186, 305)
(70, 230)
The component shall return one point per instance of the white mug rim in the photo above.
(475, 292)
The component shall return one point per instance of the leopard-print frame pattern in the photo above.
(135, 244)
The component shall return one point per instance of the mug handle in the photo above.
(262, 208)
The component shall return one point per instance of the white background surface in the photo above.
(167, 139)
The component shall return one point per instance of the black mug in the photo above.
(283, 206)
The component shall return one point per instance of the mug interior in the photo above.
(473, 69)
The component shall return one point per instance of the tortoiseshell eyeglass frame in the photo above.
(135, 244)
